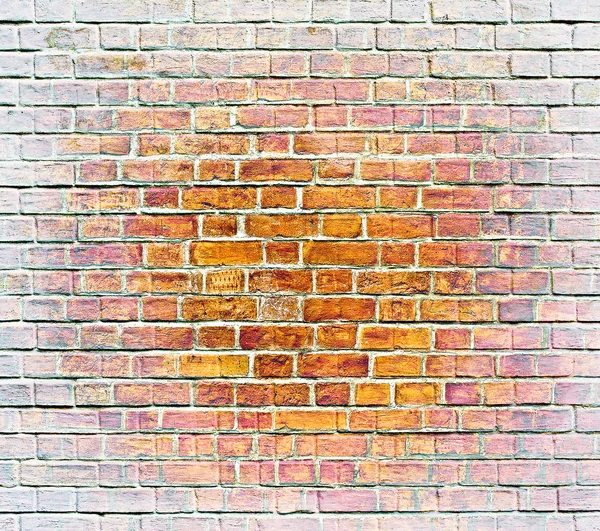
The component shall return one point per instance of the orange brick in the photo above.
(339, 308)
(283, 252)
(287, 226)
(273, 366)
(306, 420)
(219, 308)
(338, 197)
(396, 309)
(334, 281)
(336, 169)
(276, 170)
(385, 338)
(342, 225)
(280, 281)
(398, 253)
(278, 197)
(337, 336)
(275, 337)
(393, 282)
(332, 394)
(213, 366)
(417, 393)
(397, 170)
(278, 258)
(317, 365)
(319, 143)
(398, 226)
(222, 170)
(397, 365)
(371, 394)
(222, 197)
(340, 253)
(210, 118)
(204, 144)
(226, 253)
(219, 226)
(398, 197)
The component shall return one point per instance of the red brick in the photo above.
(264, 260)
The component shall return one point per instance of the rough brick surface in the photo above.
(300, 265)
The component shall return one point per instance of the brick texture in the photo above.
(317, 265)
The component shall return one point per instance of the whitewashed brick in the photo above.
(530, 64)
(576, 64)
(16, 10)
(409, 10)
(534, 36)
(16, 64)
(574, 119)
(54, 10)
(470, 10)
(576, 10)
(586, 36)
(113, 10)
(529, 11)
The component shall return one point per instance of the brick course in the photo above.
(300, 264)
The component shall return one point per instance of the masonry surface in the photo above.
(306, 265)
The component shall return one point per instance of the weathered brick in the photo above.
(343, 223)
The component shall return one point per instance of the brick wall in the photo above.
(300, 265)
